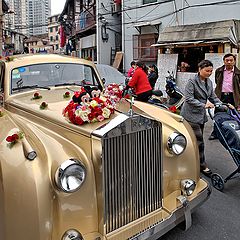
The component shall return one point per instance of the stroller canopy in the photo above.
(229, 126)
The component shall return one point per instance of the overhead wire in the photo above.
(152, 19)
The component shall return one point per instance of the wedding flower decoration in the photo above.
(43, 105)
(36, 95)
(82, 110)
(7, 59)
(66, 95)
(14, 138)
(173, 109)
(113, 92)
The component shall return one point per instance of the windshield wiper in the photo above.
(66, 84)
(30, 86)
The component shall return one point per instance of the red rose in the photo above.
(79, 121)
(9, 139)
(12, 138)
(36, 94)
(90, 116)
(173, 109)
(15, 137)
(44, 104)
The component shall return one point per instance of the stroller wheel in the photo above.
(217, 181)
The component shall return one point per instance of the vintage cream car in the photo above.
(132, 175)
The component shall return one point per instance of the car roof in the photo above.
(27, 59)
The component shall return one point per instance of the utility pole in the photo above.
(1, 26)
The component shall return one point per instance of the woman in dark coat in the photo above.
(199, 95)
(153, 75)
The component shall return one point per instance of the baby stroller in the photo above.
(227, 127)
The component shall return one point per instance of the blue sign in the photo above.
(22, 69)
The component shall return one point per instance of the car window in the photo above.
(52, 74)
(110, 74)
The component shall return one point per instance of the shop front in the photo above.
(186, 45)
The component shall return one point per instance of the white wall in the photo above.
(113, 26)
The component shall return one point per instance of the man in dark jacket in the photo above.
(227, 80)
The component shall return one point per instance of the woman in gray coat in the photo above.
(199, 96)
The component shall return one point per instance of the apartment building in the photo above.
(30, 16)
(38, 13)
(18, 20)
(53, 33)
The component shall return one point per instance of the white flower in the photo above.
(82, 114)
(106, 112)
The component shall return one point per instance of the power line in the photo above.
(152, 19)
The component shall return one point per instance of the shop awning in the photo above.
(222, 31)
(154, 23)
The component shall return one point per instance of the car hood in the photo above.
(23, 104)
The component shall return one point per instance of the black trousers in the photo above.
(198, 130)
(144, 97)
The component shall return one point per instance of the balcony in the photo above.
(85, 21)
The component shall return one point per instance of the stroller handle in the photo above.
(222, 108)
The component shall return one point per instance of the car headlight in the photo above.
(70, 175)
(176, 143)
(188, 187)
(72, 234)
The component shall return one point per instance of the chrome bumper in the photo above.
(183, 213)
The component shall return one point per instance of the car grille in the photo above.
(131, 172)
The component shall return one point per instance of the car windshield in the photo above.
(51, 74)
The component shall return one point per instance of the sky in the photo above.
(57, 6)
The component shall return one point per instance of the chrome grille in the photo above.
(131, 172)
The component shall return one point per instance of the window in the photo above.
(149, 1)
(51, 29)
(56, 37)
(142, 49)
(51, 38)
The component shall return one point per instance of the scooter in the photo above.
(175, 96)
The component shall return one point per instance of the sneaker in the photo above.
(206, 171)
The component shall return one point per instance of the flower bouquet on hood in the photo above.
(86, 109)
(113, 92)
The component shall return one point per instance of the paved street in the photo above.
(218, 218)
